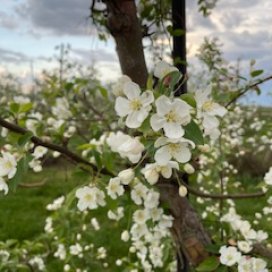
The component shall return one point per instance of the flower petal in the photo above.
(173, 130)
(132, 90)
(156, 122)
(162, 155)
(183, 154)
(163, 105)
(122, 106)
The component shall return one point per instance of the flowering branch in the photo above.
(244, 90)
(63, 150)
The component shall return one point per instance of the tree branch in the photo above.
(244, 90)
(195, 192)
(63, 150)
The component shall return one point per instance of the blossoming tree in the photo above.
(133, 167)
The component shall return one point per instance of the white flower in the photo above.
(90, 198)
(95, 223)
(115, 188)
(118, 87)
(173, 148)
(136, 106)
(39, 152)
(126, 146)
(116, 215)
(261, 236)
(8, 165)
(37, 261)
(138, 193)
(3, 186)
(207, 110)
(126, 176)
(152, 171)
(140, 216)
(125, 236)
(152, 199)
(162, 69)
(244, 246)
(268, 177)
(61, 252)
(76, 249)
(61, 109)
(171, 115)
(35, 165)
(259, 265)
(229, 255)
(182, 191)
(245, 264)
(57, 203)
(189, 169)
(48, 225)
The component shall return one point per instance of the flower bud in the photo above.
(126, 176)
(183, 191)
(189, 169)
(204, 148)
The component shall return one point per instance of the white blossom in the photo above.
(229, 255)
(173, 148)
(127, 146)
(207, 110)
(90, 198)
(268, 177)
(162, 69)
(135, 105)
(61, 252)
(115, 188)
(171, 116)
(152, 171)
(8, 165)
(118, 87)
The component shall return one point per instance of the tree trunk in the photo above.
(126, 31)
(188, 232)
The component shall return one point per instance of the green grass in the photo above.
(23, 213)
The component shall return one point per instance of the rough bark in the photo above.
(125, 28)
(188, 231)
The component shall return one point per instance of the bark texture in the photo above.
(125, 28)
(188, 231)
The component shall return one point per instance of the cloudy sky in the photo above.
(30, 29)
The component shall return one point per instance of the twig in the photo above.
(63, 150)
(244, 90)
(33, 185)
(195, 192)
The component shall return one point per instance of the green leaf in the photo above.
(103, 91)
(256, 73)
(25, 138)
(189, 98)
(208, 265)
(174, 79)
(25, 107)
(149, 83)
(22, 168)
(14, 107)
(193, 133)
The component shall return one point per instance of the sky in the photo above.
(30, 30)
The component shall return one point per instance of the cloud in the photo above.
(14, 57)
(57, 17)
(95, 55)
(7, 21)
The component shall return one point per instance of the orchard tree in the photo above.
(134, 154)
